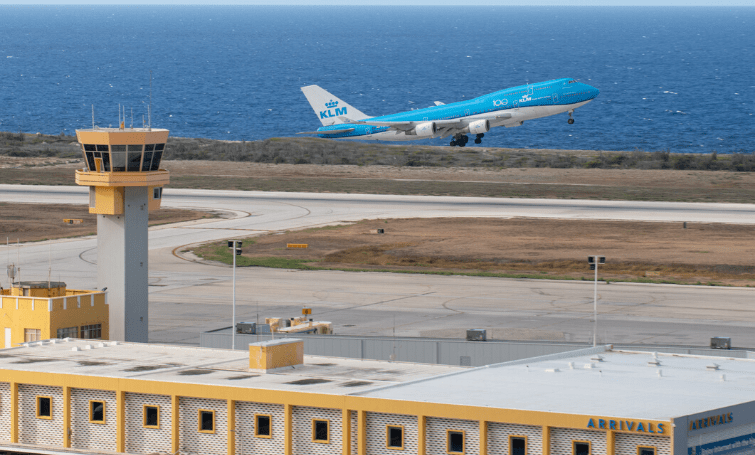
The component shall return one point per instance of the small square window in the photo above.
(151, 416)
(455, 441)
(206, 421)
(44, 407)
(97, 411)
(517, 445)
(581, 448)
(320, 431)
(157, 193)
(645, 450)
(262, 427)
(395, 437)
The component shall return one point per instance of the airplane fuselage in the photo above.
(508, 108)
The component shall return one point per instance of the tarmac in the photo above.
(188, 297)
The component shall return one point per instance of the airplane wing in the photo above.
(344, 130)
(408, 125)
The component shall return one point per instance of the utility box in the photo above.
(477, 335)
(720, 343)
(246, 327)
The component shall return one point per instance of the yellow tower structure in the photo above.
(122, 171)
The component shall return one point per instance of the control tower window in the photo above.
(118, 154)
(105, 161)
(147, 161)
(134, 158)
(156, 157)
(89, 150)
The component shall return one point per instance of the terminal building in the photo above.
(79, 396)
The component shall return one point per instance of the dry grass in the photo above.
(34, 222)
(699, 254)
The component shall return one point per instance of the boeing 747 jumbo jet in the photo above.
(509, 108)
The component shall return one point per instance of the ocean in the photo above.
(677, 79)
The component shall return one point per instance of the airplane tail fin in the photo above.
(329, 108)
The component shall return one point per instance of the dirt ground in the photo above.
(698, 254)
(34, 222)
(603, 184)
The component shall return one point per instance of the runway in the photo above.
(188, 297)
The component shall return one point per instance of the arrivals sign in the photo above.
(711, 421)
(626, 425)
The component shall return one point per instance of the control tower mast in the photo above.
(122, 171)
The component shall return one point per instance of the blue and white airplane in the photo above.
(510, 107)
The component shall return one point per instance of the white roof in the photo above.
(222, 367)
(623, 384)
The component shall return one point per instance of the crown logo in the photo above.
(331, 104)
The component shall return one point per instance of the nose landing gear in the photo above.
(571, 120)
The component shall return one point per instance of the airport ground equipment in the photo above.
(720, 343)
(122, 171)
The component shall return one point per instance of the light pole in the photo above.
(236, 245)
(594, 261)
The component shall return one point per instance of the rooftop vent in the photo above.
(268, 355)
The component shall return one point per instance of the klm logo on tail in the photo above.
(330, 105)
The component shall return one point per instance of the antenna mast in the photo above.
(149, 108)
(132, 118)
(92, 116)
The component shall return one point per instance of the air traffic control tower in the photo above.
(122, 171)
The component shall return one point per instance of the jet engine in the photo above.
(479, 127)
(426, 129)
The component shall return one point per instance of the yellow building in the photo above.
(40, 310)
(64, 396)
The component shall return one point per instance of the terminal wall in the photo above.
(723, 431)
(425, 425)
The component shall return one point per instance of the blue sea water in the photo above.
(681, 79)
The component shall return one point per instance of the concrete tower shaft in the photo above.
(122, 171)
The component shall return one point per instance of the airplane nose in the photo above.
(593, 92)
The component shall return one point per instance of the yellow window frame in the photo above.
(256, 426)
(463, 441)
(199, 421)
(144, 416)
(39, 397)
(511, 437)
(574, 446)
(388, 437)
(653, 448)
(104, 415)
(314, 426)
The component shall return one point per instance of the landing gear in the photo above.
(460, 140)
(478, 139)
(571, 120)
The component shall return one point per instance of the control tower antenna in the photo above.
(132, 118)
(119, 115)
(149, 108)
(92, 116)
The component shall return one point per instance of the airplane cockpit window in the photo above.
(572, 81)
